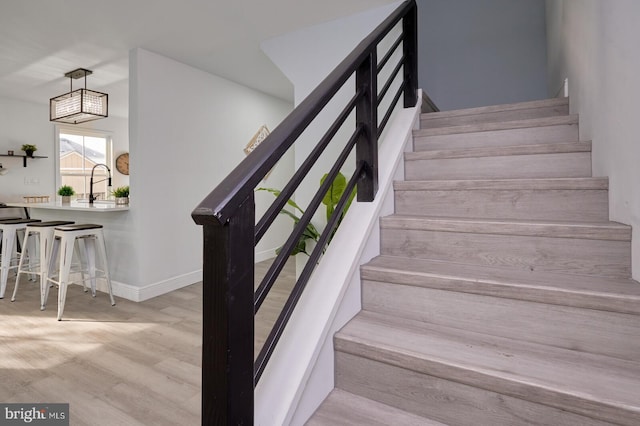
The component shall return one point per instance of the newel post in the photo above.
(367, 117)
(227, 318)
(410, 51)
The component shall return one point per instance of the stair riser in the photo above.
(560, 326)
(525, 136)
(571, 255)
(581, 205)
(563, 165)
(346, 409)
(553, 290)
(448, 401)
(495, 117)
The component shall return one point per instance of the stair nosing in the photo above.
(501, 381)
(542, 103)
(500, 151)
(571, 119)
(523, 184)
(609, 231)
(543, 292)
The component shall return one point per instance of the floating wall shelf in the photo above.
(24, 158)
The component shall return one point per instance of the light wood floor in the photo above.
(132, 364)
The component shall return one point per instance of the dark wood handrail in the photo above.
(224, 199)
(230, 232)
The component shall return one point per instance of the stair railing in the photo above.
(230, 233)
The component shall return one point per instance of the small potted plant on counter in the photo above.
(122, 194)
(29, 149)
(65, 191)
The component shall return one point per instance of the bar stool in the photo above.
(10, 247)
(43, 231)
(64, 241)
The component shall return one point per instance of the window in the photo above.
(79, 150)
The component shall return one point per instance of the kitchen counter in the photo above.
(97, 206)
(117, 224)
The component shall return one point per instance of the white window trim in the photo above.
(80, 131)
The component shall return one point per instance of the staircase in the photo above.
(503, 294)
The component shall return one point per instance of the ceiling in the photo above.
(41, 40)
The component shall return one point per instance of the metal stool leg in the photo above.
(66, 257)
(102, 248)
(44, 289)
(90, 258)
(8, 243)
(28, 252)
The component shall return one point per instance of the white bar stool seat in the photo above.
(64, 241)
(31, 251)
(10, 242)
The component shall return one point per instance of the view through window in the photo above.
(79, 151)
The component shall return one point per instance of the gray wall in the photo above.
(482, 52)
(594, 44)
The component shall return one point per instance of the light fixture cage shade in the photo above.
(79, 106)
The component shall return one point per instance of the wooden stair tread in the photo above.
(343, 408)
(592, 385)
(499, 151)
(504, 293)
(496, 108)
(582, 291)
(612, 231)
(587, 183)
(505, 125)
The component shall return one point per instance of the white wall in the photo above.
(20, 123)
(481, 52)
(595, 44)
(306, 68)
(332, 42)
(188, 131)
(25, 122)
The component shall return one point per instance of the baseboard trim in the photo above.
(149, 291)
(265, 255)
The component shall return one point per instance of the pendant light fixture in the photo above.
(80, 105)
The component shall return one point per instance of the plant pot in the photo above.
(29, 153)
(122, 200)
(66, 199)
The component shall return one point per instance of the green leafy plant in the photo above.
(121, 192)
(310, 231)
(66, 191)
(333, 195)
(330, 200)
(29, 149)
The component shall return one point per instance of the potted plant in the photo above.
(29, 149)
(65, 191)
(122, 194)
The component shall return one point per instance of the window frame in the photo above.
(80, 131)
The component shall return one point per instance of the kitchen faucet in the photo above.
(91, 197)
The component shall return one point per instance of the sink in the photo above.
(84, 200)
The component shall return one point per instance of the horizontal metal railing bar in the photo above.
(296, 292)
(387, 116)
(227, 213)
(219, 204)
(274, 270)
(391, 79)
(390, 53)
(287, 192)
